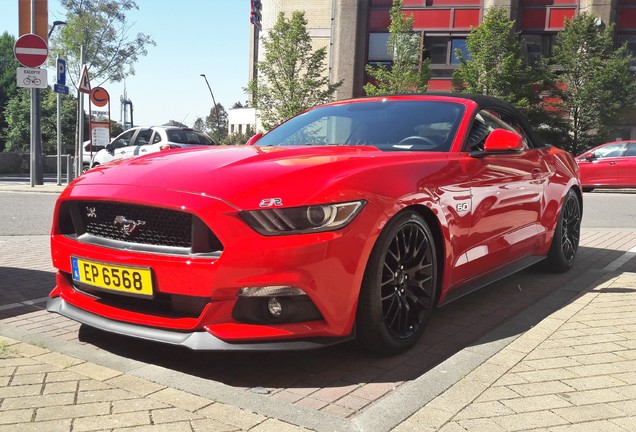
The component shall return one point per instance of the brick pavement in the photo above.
(574, 371)
(44, 390)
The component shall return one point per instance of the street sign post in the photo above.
(61, 89)
(99, 97)
(31, 50)
(61, 72)
(84, 82)
(31, 78)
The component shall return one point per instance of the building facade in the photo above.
(355, 32)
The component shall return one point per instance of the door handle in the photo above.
(613, 163)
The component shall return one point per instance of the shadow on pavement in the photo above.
(18, 285)
(450, 329)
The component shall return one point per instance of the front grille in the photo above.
(137, 224)
(137, 227)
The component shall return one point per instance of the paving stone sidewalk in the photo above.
(574, 371)
(41, 390)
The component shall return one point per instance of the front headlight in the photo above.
(301, 220)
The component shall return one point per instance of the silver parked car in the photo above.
(138, 141)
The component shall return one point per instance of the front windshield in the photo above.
(390, 125)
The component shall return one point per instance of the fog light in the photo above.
(274, 307)
(270, 291)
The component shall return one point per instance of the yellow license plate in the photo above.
(129, 280)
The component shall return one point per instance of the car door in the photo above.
(602, 168)
(627, 167)
(123, 144)
(140, 142)
(506, 198)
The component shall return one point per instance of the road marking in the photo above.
(618, 262)
(24, 303)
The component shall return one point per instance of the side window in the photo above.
(488, 120)
(156, 138)
(631, 150)
(609, 151)
(124, 139)
(143, 137)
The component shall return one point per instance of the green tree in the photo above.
(18, 130)
(494, 65)
(595, 81)
(8, 89)
(209, 124)
(408, 73)
(238, 137)
(101, 27)
(291, 78)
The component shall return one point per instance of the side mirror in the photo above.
(589, 156)
(110, 147)
(254, 138)
(503, 141)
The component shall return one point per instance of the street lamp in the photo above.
(216, 110)
(56, 23)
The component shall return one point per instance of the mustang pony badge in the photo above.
(127, 226)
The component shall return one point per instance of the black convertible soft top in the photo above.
(485, 102)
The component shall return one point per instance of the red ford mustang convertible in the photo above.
(351, 220)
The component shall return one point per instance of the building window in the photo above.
(536, 45)
(440, 50)
(630, 40)
(378, 50)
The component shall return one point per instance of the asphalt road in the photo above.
(30, 213)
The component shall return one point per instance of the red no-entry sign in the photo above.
(31, 50)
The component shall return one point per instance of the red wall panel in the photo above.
(439, 84)
(466, 18)
(549, 2)
(431, 18)
(533, 18)
(626, 19)
(558, 16)
(379, 20)
(381, 2)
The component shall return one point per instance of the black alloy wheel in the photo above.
(570, 228)
(565, 243)
(399, 286)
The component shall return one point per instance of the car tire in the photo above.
(565, 242)
(399, 286)
(85, 168)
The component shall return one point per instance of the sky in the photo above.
(193, 37)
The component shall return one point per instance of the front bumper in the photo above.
(195, 340)
(322, 265)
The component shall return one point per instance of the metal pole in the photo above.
(59, 139)
(216, 110)
(79, 154)
(32, 137)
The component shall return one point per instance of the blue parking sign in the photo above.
(61, 72)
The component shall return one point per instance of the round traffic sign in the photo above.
(31, 50)
(99, 96)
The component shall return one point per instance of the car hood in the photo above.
(245, 175)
